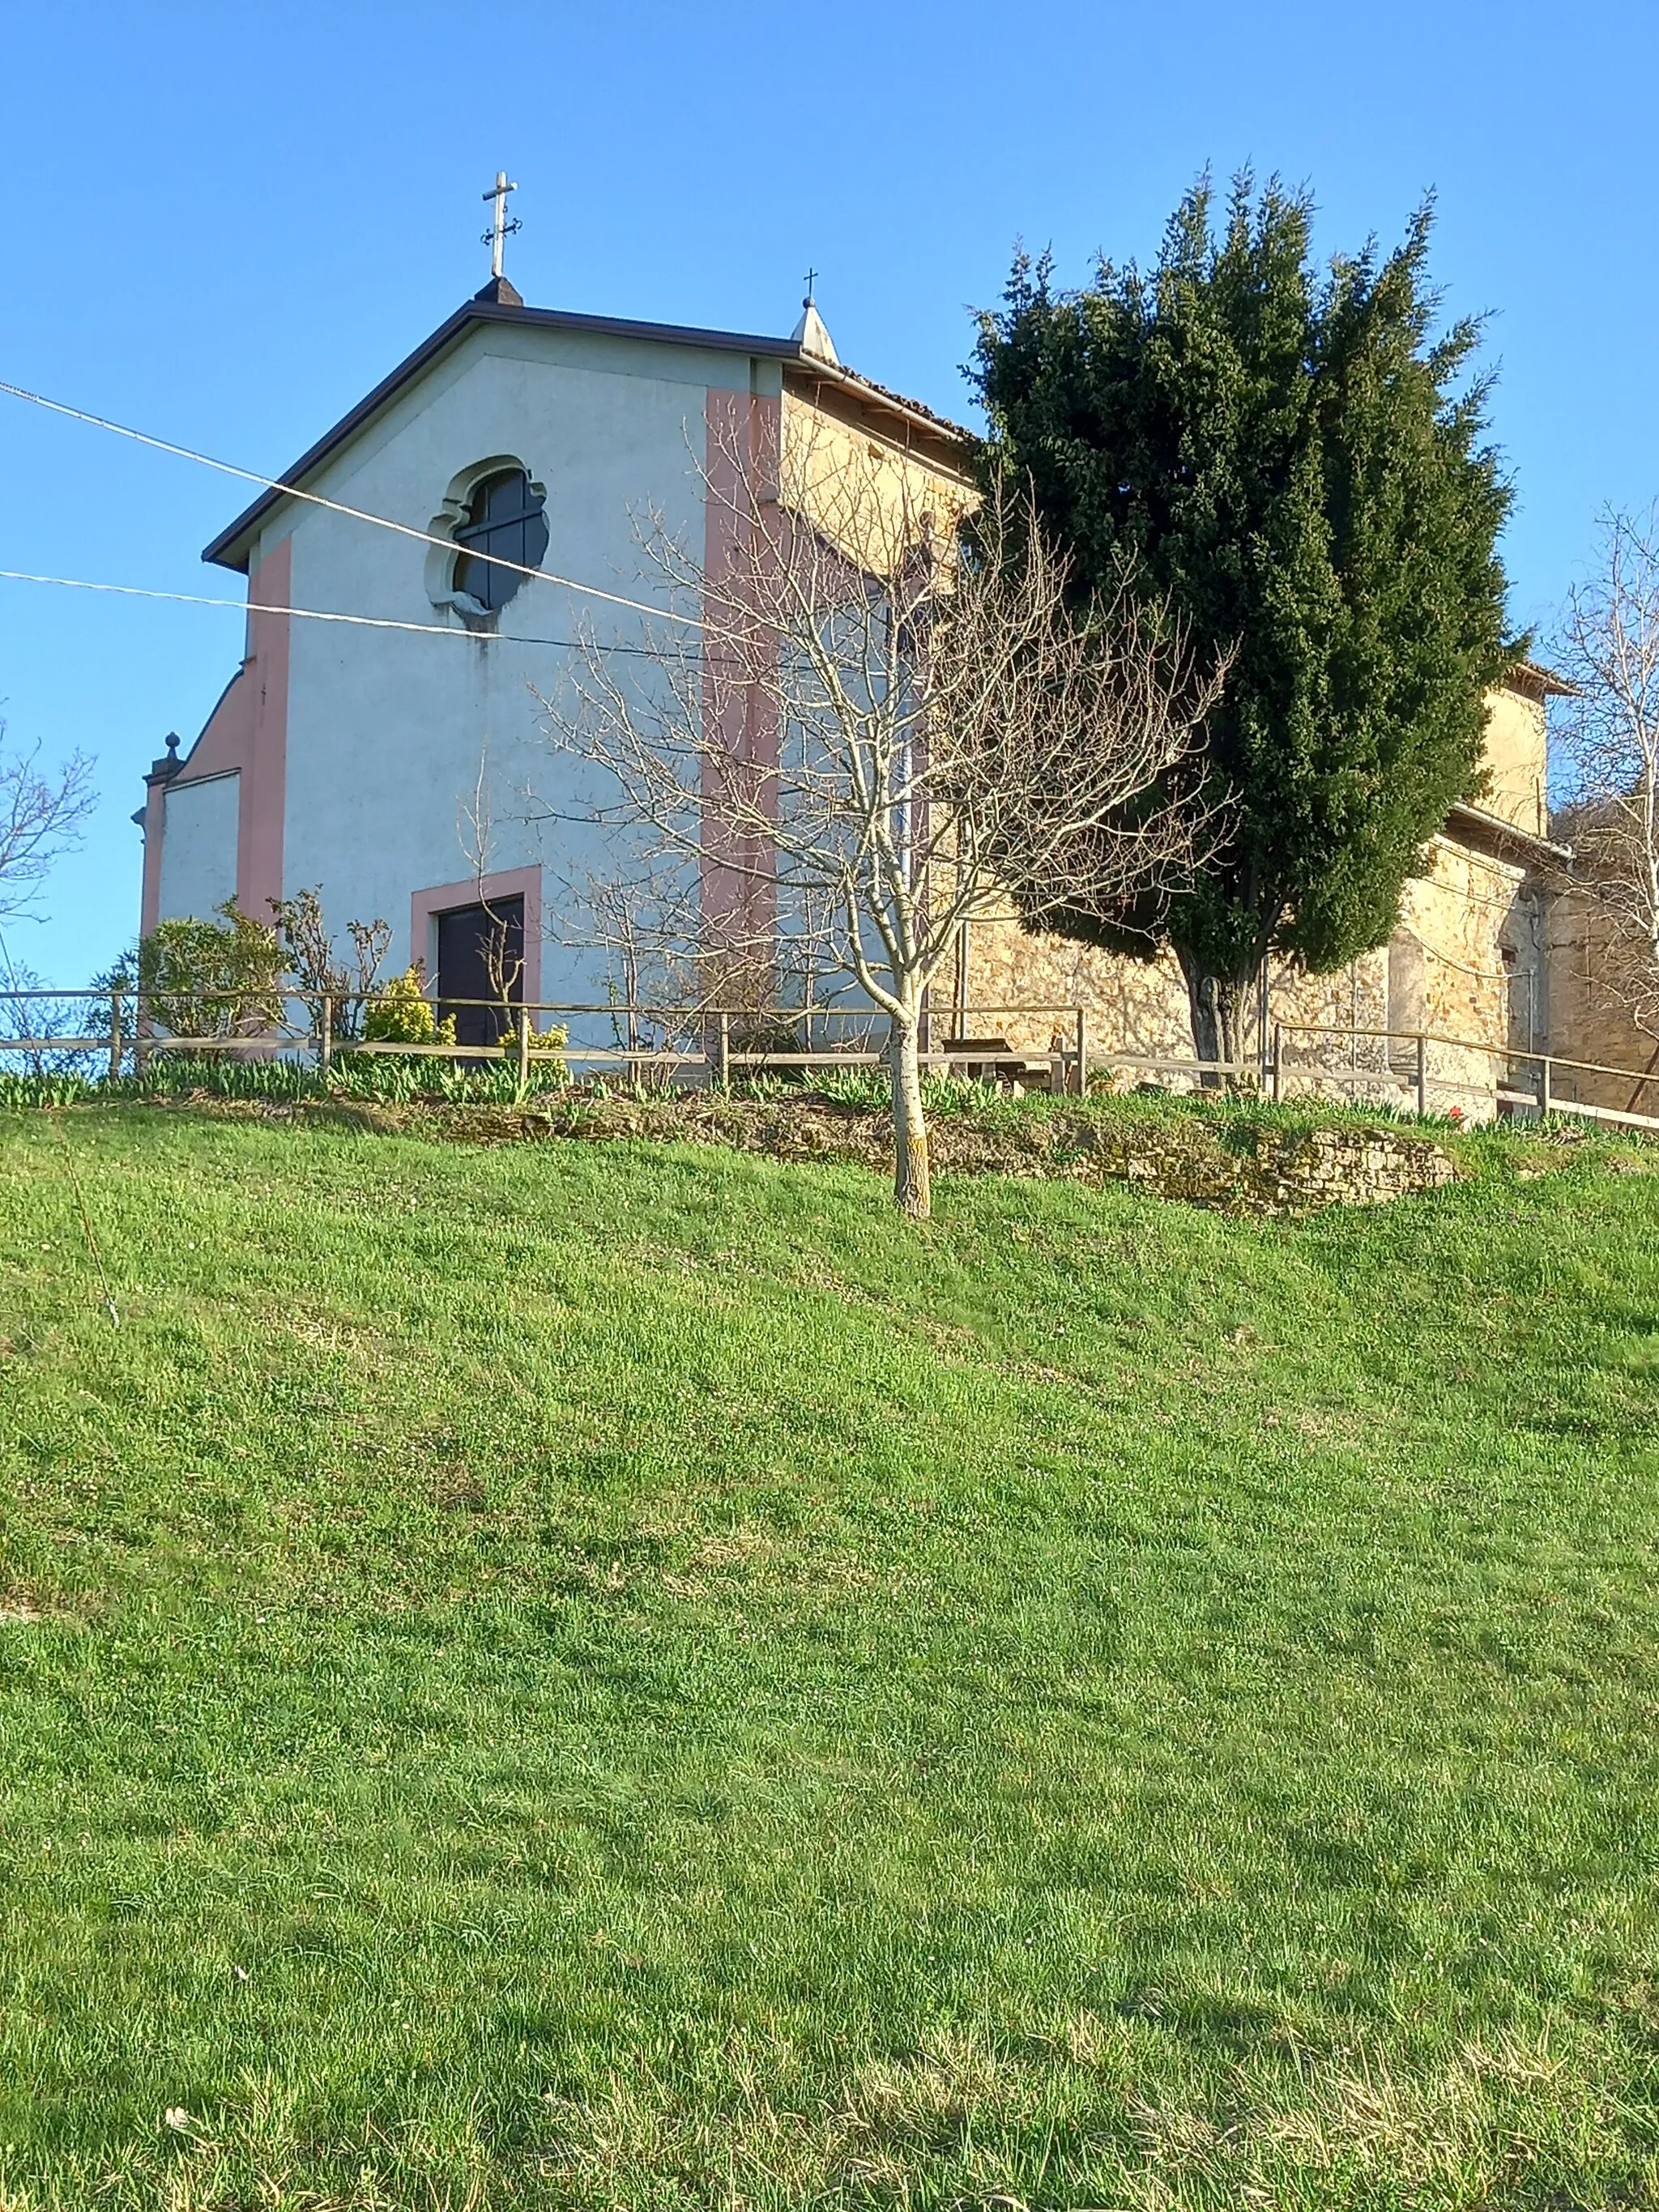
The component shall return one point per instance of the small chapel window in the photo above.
(504, 519)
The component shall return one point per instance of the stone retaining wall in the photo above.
(1281, 1171)
(1211, 1160)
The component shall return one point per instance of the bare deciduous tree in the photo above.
(852, 741)
(307, 946)
(42, 814)
(1609, 648)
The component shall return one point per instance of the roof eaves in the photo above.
(231, 548)
(939, 427)
(1507, 836)
(1532, 675)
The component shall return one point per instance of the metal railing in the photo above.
(1423, 1084)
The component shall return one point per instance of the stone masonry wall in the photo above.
(1451, 967)
(1589, 1022)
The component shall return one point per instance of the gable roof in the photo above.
(498, 302)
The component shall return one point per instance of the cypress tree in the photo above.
(1297, 464)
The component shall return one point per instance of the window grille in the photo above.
(505, 520)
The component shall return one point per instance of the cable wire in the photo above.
(334, 506)
(319, 614)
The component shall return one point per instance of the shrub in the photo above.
(212, 979)
(308, 949)
(548, 1069)
(402, 1014)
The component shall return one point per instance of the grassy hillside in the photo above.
(606, 1675)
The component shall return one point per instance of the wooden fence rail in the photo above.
(717, 1042)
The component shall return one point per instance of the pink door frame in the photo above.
(425, 906)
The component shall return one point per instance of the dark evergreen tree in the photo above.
(1298, 464)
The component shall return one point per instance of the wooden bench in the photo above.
(994, 1060)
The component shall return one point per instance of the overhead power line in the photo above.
(335, 506)
(319, 614)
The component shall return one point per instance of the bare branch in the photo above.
(307, 946)
(42, 817)
(878, 731)
(504, 970)
(1610, 649)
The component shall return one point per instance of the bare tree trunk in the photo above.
(1214, 1003)
(912, 1180)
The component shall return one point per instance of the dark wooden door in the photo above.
(481, 955)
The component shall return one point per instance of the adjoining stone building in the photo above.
(1470, 960)
(1590, 1003)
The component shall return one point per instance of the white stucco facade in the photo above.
(361, 761)
(389, 730)
(198, 861)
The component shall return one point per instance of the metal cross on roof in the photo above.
(499, 232)
(812, 278)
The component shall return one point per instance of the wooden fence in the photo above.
(710, 1045)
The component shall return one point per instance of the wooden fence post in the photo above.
(1083, 1052)
(724, 1063)
(1422, 1075)
(115, 1037)
(325, 1035)
(523, 1047)
(1278, 1062)
(1544, 1087)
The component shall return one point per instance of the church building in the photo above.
(384, 760)
(386, 764)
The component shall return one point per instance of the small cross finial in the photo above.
(501, 230)
(812, 278)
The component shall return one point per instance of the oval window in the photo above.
(505, 522)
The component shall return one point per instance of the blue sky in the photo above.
(225, 222)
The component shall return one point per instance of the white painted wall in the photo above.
(386, 729)
(198, 846)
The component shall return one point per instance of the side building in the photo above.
(1468, 961)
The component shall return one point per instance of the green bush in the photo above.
(548, 1068)
(402, 1014)
(212, 979)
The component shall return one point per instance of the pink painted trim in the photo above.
(744, 441)
(155, 815)
(425, 906)
(264, 776)
(245, 735)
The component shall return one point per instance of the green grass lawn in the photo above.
(626, 1676)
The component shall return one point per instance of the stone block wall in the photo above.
(1465, 962)
(1589, 1021)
